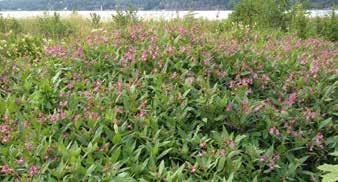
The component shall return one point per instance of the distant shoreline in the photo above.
(4, 10)
(153, 14)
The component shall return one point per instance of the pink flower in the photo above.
(97, 85)
(206, 62)
(287, 48)
(314, 69)
(222, 152)
(153, 39)
(174, 75)
(119, 110)
(275, 157)
(231, 143)
(274, 131)
(245, 81)
(245, 106)
(57, 51)
(6, 169)
(94, 116)
(53, 118)
(229, 107)
(144, 56)
(183, 31)
(130, 55)
(264, 158)
(63, 104)
(309, 114)
(57, 117)
(119, 87)
(170, 50)
(265, 78)
(20, 160)
(201, 154)
(142, 113)
(33, 170)
(70, 86)
(319, 139)
(79, 52)
(292, 99)
(154, 53)
(259, 107)
(41, 117)
(29, 147)
(4, 129)
(189, 80)
(203, 145)
(272, 165)
(303, 59)
(5, 139)
(193, 168)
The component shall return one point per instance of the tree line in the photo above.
(137, 4)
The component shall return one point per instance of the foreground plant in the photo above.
(158, 101)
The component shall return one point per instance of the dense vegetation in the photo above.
(181, 100)
(138, 4)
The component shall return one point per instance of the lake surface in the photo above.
(166, 15)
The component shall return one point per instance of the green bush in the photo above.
(54, 26)
(25, 46)
(331, 28)
(95, 20)
(123, 18)
(263, 13)
(9, 25)
(299, 23)
(168, 101)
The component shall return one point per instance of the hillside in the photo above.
(138, 4)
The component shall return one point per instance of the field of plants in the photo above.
(181, 100)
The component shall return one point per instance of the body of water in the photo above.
(166, 15)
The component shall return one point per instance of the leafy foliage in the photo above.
(9, 25)
(332, 171)
(180, 100)
(54, 26)
(124, 18)
(95, 20)
(264, 13)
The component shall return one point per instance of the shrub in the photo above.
(331, 28)
(54, 26)
(326, 27)
(263, 13)
(9, 25)
(26, 46)
(123, 18)
(168, 101)
(95, 20)
(298, 21)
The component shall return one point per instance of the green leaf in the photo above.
(334, 153)
(330, 177)
(325, 123)
(328, 168)
(231, 177)
(116, 138)
(116, 154)
(221, 165)
(91, 169)
(164, 153)
(161, 167)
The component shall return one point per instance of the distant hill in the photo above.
(137, 4)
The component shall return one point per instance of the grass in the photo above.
(180, 100)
